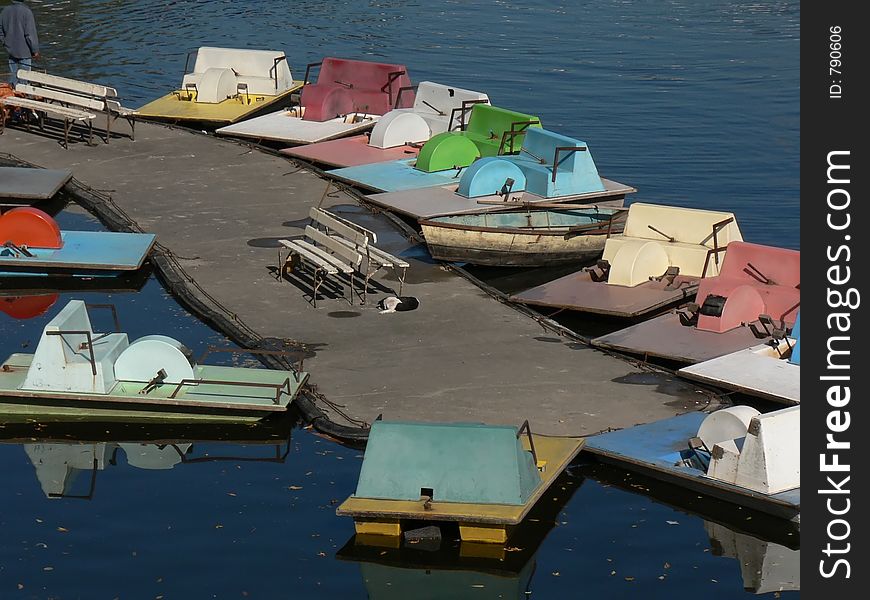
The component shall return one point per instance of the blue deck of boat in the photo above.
(90, 251)
(656, 447)
(394, 176)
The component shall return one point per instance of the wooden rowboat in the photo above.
(523, 238)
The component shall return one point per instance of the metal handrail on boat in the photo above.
(388, 86)
(278, 387)
(566, 150)
(527, 428)
(273, 72)
(299, 354)
(308, 68)
(412, 88)
(463, 110)
(89, 345)
(514, 132)
(711, 251)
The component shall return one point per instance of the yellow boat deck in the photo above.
(486, 523)
(181, 105)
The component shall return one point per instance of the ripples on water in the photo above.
(694, 103)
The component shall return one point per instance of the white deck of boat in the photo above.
(425, 203)
(282, 126)
(757, 371)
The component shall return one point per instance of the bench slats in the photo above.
(328, 217)
(52, 109)
(44, 92)
(326, 256)
(343, 229)
(302, 250)
(64, 83)
(354, 257)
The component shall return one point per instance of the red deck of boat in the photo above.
(578, 292)
(345, 86)
(349, 152)
(666, 337)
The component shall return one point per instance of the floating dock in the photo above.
(220, 209)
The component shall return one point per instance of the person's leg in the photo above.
(13, 70)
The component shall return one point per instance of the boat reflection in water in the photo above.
(767, 551)
(394, 567)
(68, 456)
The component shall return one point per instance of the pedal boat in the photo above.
(76, 372)
(349, 97)
(401, 132)
(522, 238)
(755, 297)
(484, 477)
(771, 370)
(225, 86)
(550, 168)
(735, 454)
(32, 244)
(659, 260)
(491, 131)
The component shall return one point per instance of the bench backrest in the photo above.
(685, 225)
(88, 102)
(269, 64)
(344, 86)
(339, 226)
(436, 99)
(334, 246)
(492, 122)
(65, 84)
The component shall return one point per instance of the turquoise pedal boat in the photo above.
(76, 372)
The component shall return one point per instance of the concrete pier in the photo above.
(220, 207)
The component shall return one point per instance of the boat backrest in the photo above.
(540, 145)
(770, 457)
(249, 66)
(438, 100)
(491, 122)
(752, 263)
(685, 225)
(345, 85)
(72, 317)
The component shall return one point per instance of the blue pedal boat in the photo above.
(32, 244)
(735, 454)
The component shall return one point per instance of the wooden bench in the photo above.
(56, 111)
(336, 246)
(77, 94)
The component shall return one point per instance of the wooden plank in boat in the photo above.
(431, 202)
(23, 186)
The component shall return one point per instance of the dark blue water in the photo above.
(693, 103)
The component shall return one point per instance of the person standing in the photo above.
(18, 36)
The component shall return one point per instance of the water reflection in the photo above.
(67, 457)
(765, 566)
(393, 568)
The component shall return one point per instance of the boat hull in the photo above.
(510, 248)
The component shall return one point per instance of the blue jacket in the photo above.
(18, 31)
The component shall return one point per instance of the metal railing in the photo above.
(517, 128)
(280, 388)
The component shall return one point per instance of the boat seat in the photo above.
(345, 86)
(437, 108)
(766, 459)
(739, 294)
(61, 363)
(686, 225)
(221, 73)
(488, 134)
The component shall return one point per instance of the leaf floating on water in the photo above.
(555, 573)
(218, 526)
(667, 565)
(20, 586)
(612, 573)
(62, 529)
(321, 554)
(48, 568)
(233, 494)
(477, 585)
(629, 578)
(294, 487)
(672, 522)
(513, 549)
